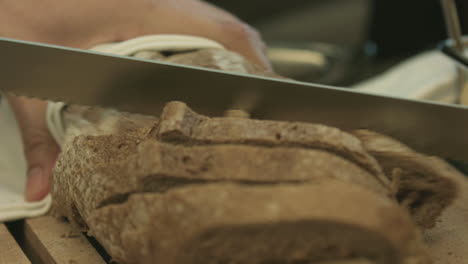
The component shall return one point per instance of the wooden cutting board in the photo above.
(448, 241)
(47, 240)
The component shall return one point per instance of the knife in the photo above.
(129, 84)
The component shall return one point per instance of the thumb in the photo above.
(40, 149)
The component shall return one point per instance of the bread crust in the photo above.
(180, 125)
(424, 183)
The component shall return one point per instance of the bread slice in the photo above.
(424, 184)
(180, 125)
(94, 171)
(231, 223)
(246, 164)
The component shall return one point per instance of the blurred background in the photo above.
(342, 42)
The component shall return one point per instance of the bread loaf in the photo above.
(120, 187)
(109, 167)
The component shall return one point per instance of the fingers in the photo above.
(194, 17)
(245, 40)
(40, 149)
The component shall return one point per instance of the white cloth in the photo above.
(12, 161)
(157, 43)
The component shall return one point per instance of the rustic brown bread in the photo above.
(230, 223)
(249, 164)
(124, 158)
(98, 173)
(180, 125)
(95, 171)
(423, 182)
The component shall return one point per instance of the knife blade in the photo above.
(89, 78)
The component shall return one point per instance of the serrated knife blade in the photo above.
(88, 78)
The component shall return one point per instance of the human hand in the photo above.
(40, 149)
(85, 23)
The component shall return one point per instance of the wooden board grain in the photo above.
(47, 240)
(10, 251)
